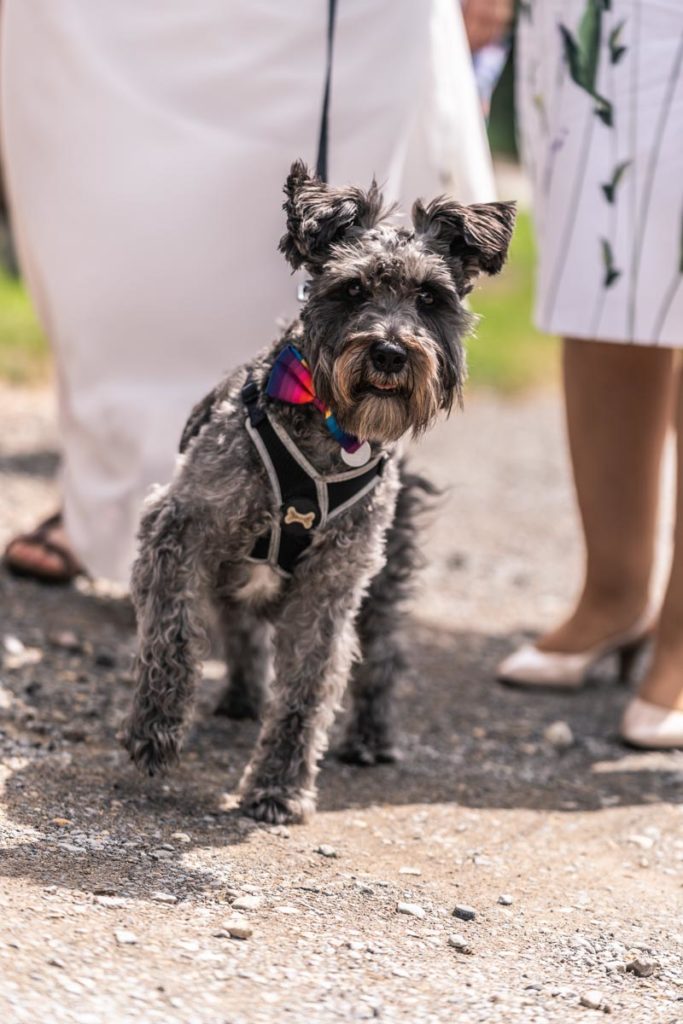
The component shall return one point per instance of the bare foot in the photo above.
(44, 553)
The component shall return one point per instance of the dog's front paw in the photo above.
(276, 808)
(367, 751)
(152, 750)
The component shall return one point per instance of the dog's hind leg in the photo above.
(370, 733)
(247, 642)
(166, 586)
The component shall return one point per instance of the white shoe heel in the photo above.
(529, 666)
(651, 726)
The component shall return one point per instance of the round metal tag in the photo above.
(359, 457)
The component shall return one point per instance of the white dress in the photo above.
(600, 97)
(146, 145)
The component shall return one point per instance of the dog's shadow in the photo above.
(77, 814)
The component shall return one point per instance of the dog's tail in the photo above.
(165, 585)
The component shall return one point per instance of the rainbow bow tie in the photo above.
(291, 381)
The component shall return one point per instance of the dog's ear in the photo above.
(319, 215)
(473, 239)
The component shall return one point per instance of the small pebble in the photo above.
(61, 822)
(247, 903)
(67, 640)
(286, 910)
(644, 842)
(559, 735)
(181, 837)
(326, 851)
(594, 1000)
(13, 645)
(239, 928)
(26, 656)
(464, 913)
(111, 901)
(409, 871)
(460, 943)
(505, 900)
(642, 968)
(411, 909)
(164, 897)
(71, 848)
(125, 938)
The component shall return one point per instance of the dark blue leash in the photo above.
(321, 162)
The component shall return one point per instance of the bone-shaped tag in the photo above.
(305, 519)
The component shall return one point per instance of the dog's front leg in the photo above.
(315, 643)
(165, 587)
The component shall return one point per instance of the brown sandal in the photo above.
(39, 537)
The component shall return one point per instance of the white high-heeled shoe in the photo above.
(530, 666)
(651, 726)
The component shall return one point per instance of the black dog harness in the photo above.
(306, 500)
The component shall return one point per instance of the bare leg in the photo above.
(247, 652)
(664, 682)
(618, 401)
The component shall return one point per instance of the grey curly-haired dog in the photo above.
(294, 522)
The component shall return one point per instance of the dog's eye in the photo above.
(426, 297)
(354, 290)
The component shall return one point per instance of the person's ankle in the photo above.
(596, 620)
(663, 684)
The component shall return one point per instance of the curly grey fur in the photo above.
(373, 284)
(381, 631)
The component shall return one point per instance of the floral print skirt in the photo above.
(600, 101)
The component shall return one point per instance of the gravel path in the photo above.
(121, 900)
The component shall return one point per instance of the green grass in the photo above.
(24, 356)
(508, 353)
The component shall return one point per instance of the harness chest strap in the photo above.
(306, 499)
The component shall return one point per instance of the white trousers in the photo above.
(145, 145)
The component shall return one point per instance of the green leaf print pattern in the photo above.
(609, 188)
(611, 272)
(582, 53)
(599, 32)
(616, 49)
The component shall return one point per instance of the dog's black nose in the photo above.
(388, 356)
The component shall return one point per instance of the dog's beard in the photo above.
(386, 416)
